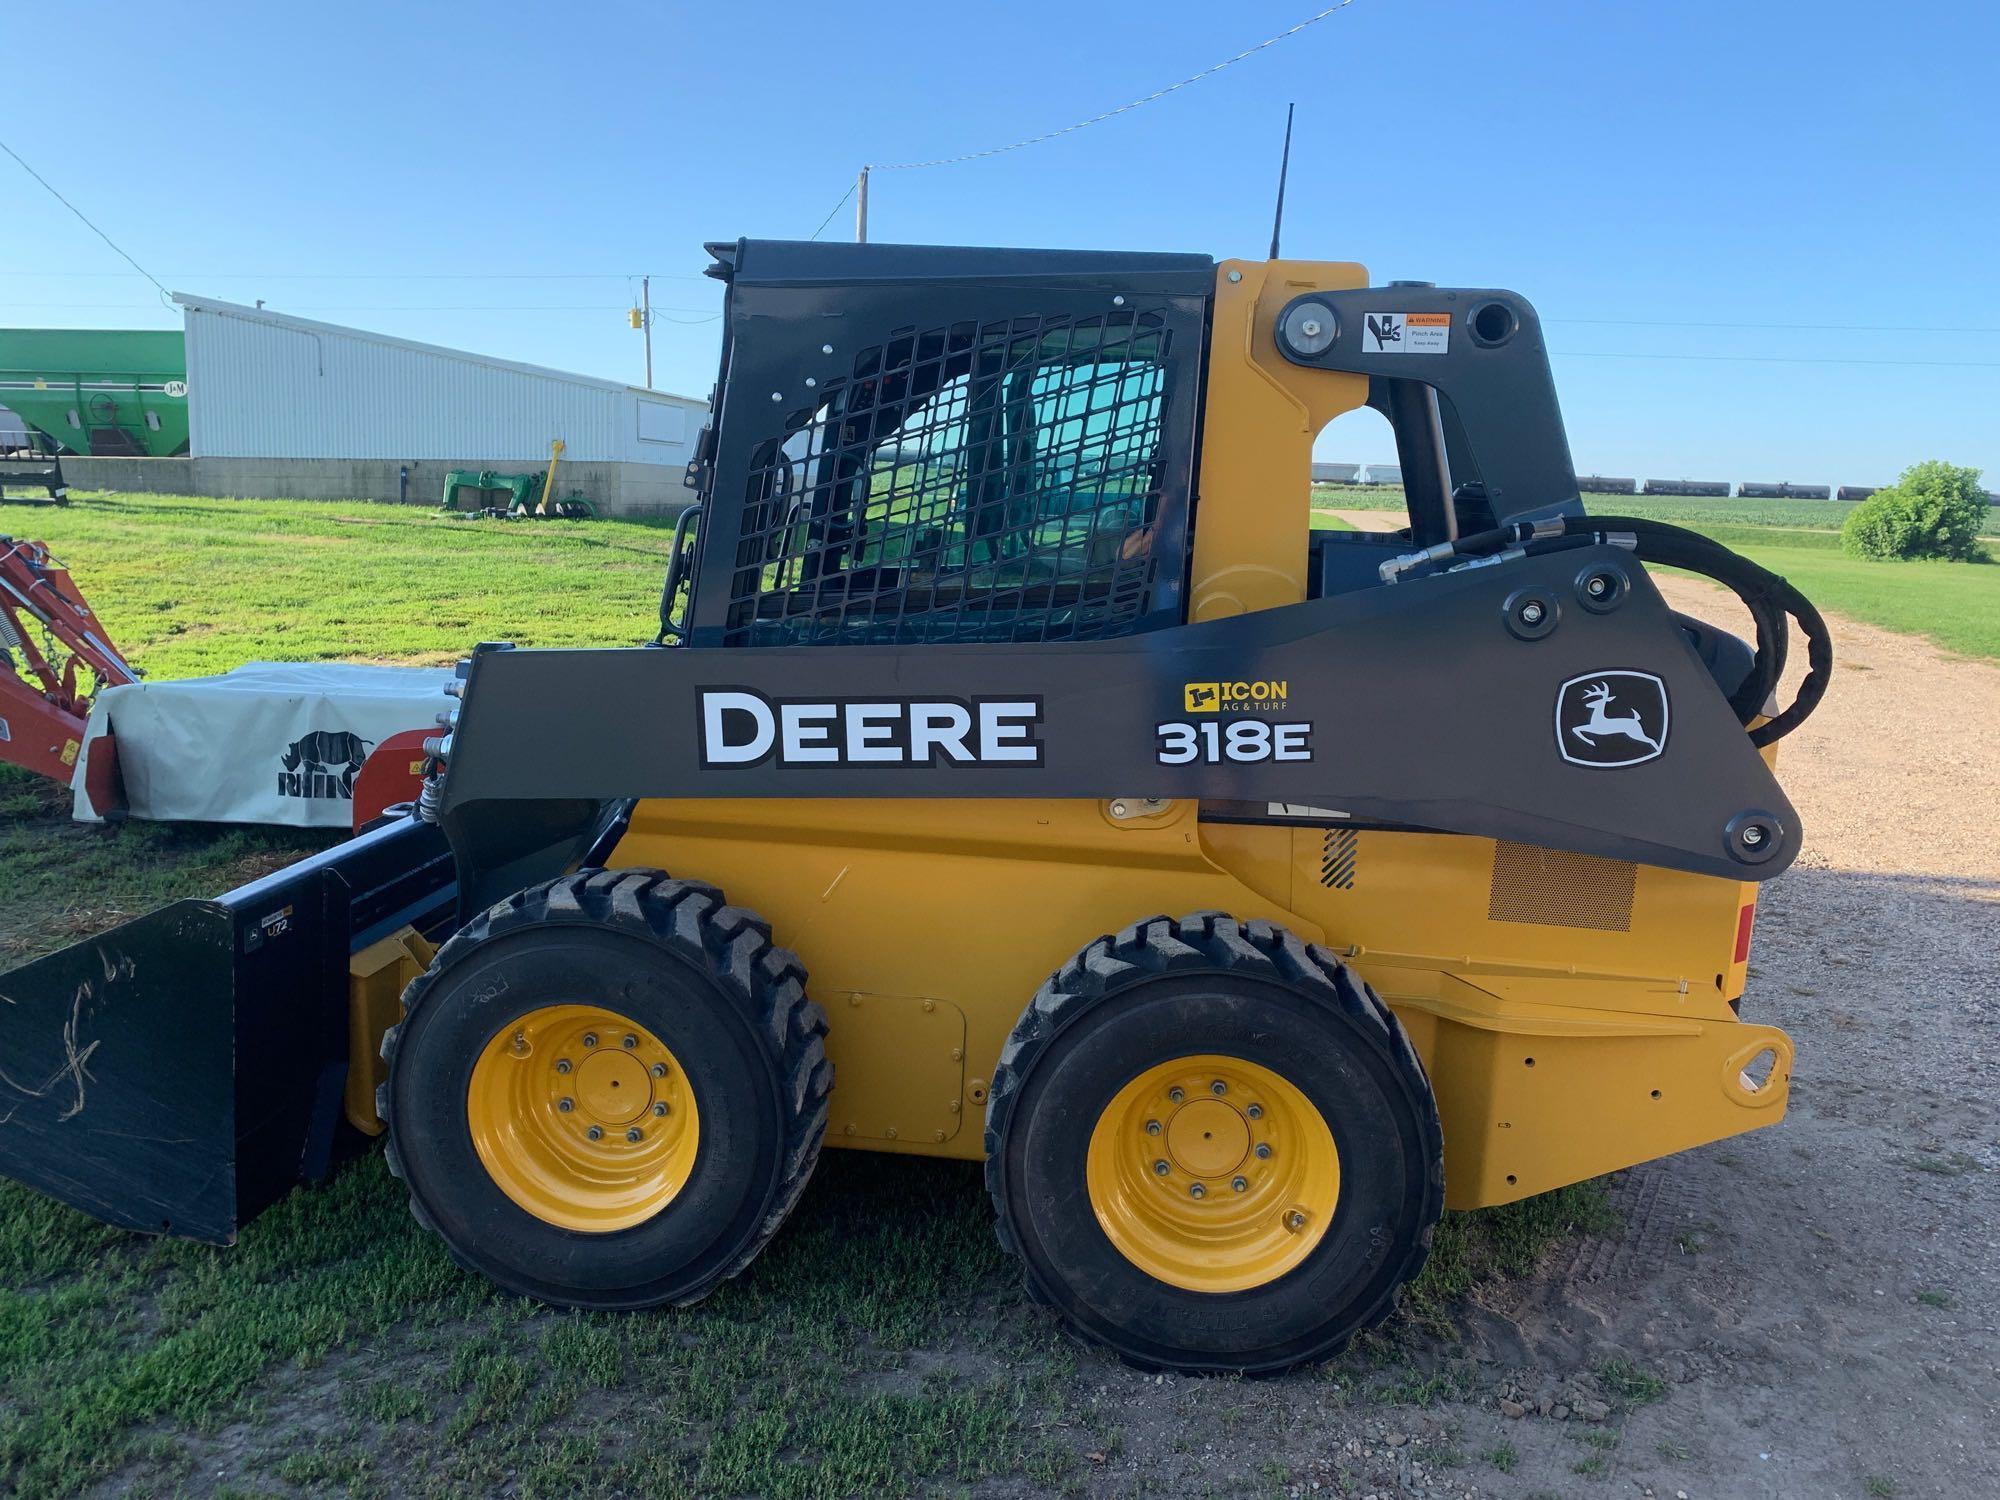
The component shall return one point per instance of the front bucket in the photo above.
(180, 1073)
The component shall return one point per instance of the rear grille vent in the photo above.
(1554, 889)
(1336, 864)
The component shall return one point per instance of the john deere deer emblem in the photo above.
(1609, 719)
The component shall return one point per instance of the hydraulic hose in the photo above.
(1769, 598)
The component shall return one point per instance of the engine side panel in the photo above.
(1490, 953)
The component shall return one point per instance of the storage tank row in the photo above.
(1599, 484)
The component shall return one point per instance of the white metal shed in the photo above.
(267, 385)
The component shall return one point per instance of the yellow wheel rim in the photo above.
(583, 1118)
(1213, 1174)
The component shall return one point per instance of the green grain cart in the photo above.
(98, 392)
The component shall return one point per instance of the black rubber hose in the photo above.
(1769, 597)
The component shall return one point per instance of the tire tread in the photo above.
(731, 945)
(1215, 942)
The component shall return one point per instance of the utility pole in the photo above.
(646, 294)
(861, 209)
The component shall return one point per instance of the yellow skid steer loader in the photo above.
(1241, 894)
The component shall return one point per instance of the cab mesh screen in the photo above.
(980, 482)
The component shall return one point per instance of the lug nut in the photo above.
(1177, 1093)
(660, 1108)
(520, 1041)
(631, 1041)
(635, 1135)
(596, 1132)
(1531, 613)
(565, 1105)
(1255, 1111)
(562, 1065)
(1152, 1127)
(1196, 1190)
(659, 1070)
(1218, 1087)
(1241, 1184)
(1263, 1151)
(1160, 1169)
(590, 1039)
(1295, 1221)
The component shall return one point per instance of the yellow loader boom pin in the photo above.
(1241, 894)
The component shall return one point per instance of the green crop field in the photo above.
(1953, 603)
(882, 1344)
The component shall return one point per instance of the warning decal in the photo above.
(1406, 333)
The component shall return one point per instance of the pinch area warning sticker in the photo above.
(1406, 333)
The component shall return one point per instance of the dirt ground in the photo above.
(1820, 1302)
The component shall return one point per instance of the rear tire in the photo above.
(707, 1018)
(1213, 1148)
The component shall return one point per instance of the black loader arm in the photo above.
(1482, 352)
(1492, 700)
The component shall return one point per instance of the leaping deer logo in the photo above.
(1599, 696)
(1589, 733)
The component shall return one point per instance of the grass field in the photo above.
(190, 586)
(1955, 604)
(881, 1345)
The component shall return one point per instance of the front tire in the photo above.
(607, 1091)
(1213, 1147)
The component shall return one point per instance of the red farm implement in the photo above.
(47, 632)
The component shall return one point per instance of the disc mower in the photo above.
(1017, 776)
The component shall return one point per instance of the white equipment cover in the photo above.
(271, 742)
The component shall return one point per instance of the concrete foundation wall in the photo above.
(616, 489)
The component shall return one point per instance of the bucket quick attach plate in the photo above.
(181, 1072)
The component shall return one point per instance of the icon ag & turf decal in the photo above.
(1238, 697)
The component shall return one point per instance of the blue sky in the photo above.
(1762, 233)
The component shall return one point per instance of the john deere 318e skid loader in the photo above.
(1241, 894)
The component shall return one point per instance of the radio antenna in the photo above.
(1284, 168)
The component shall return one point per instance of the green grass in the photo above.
(1501, 1242)
(1630, 1383)
(64, 881)
(882, 1344)
(192, 586)
(878, 1343)
(1955, 604)
(1697, 512)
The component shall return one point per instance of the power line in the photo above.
(307, 307)
(834, 210)
(80, 214)
(393, 275)
(1049, 135)
(1782, 327)
(1784, 359)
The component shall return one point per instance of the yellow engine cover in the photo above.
(1574, 1015)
